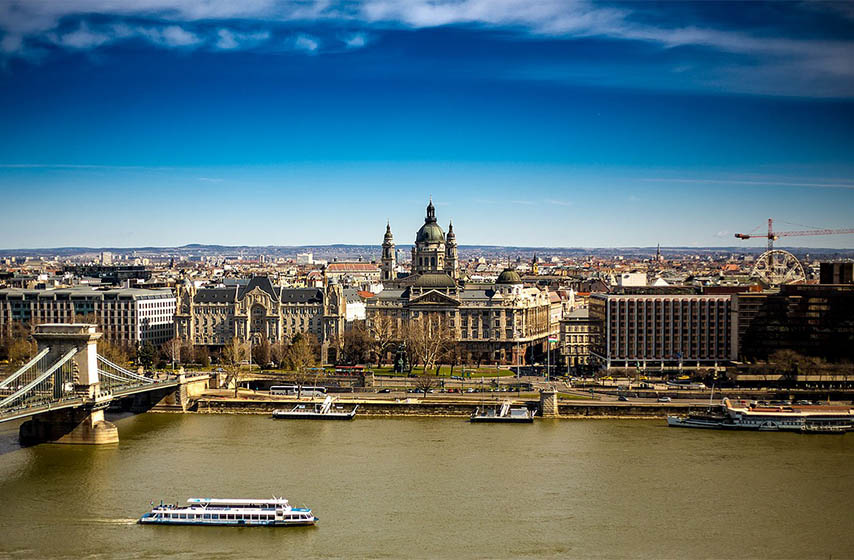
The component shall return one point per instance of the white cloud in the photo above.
(228, 39)
(170, 36)
(559, 202)
(11, 43)
(825, 65)
(82, 38)
(356, 40)
(306, 43)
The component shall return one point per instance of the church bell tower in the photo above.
(389, 258)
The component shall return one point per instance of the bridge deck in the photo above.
(8, 415)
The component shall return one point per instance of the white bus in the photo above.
(307, 390)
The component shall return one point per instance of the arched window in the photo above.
(433, 262)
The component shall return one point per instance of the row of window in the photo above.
(227, 516)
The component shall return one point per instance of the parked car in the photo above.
(622, 398)
(665, 399)
(386, 390)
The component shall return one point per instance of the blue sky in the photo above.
(553, 123)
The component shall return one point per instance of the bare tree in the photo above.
(233, 355)
(428, 338)
(202, 355)
(382, 333)
(262, 352)
(425, 382)
(301, 356)
(356, 345)
(114, 352)
(172, 350)
(279, 353)
(188, 353)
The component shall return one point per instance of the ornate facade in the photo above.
(505, 322)
(213, 316)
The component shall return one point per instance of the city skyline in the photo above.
(555, 124)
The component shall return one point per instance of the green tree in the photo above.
(146, 354)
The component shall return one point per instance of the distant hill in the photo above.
(370, 252)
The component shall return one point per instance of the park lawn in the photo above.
(445, 371)
(572, 397)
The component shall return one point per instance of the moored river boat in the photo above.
(317, 411)
(502, 413)
(814, 419)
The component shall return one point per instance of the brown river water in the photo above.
(435, 488)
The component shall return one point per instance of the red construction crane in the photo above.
(774, 235)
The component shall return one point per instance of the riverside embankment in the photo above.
(444, 407)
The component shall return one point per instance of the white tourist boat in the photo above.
(503, 413)
(812, 419)
(270, 512)
(317, 411)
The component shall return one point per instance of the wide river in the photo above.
(435, 488)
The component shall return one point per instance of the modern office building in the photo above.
(662, 330)
(127, 317)
(810, 319)
(836, 273)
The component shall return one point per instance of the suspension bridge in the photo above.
(66, 386)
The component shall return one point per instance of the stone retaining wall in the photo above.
(413, 407)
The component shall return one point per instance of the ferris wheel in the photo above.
(776, 267)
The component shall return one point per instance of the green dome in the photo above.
(434, 280)
(430, 232)
(509, 277)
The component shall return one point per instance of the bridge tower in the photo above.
(80, 425)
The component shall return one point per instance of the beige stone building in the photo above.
(505, 322)
(576, 333)
(213, 316)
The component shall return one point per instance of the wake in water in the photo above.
(107, 521)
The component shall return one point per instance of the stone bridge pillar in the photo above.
(84, 424)
(548, 404)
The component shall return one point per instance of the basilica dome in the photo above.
(430, 232)
(509, 276)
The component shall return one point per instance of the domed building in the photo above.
(499, 323)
